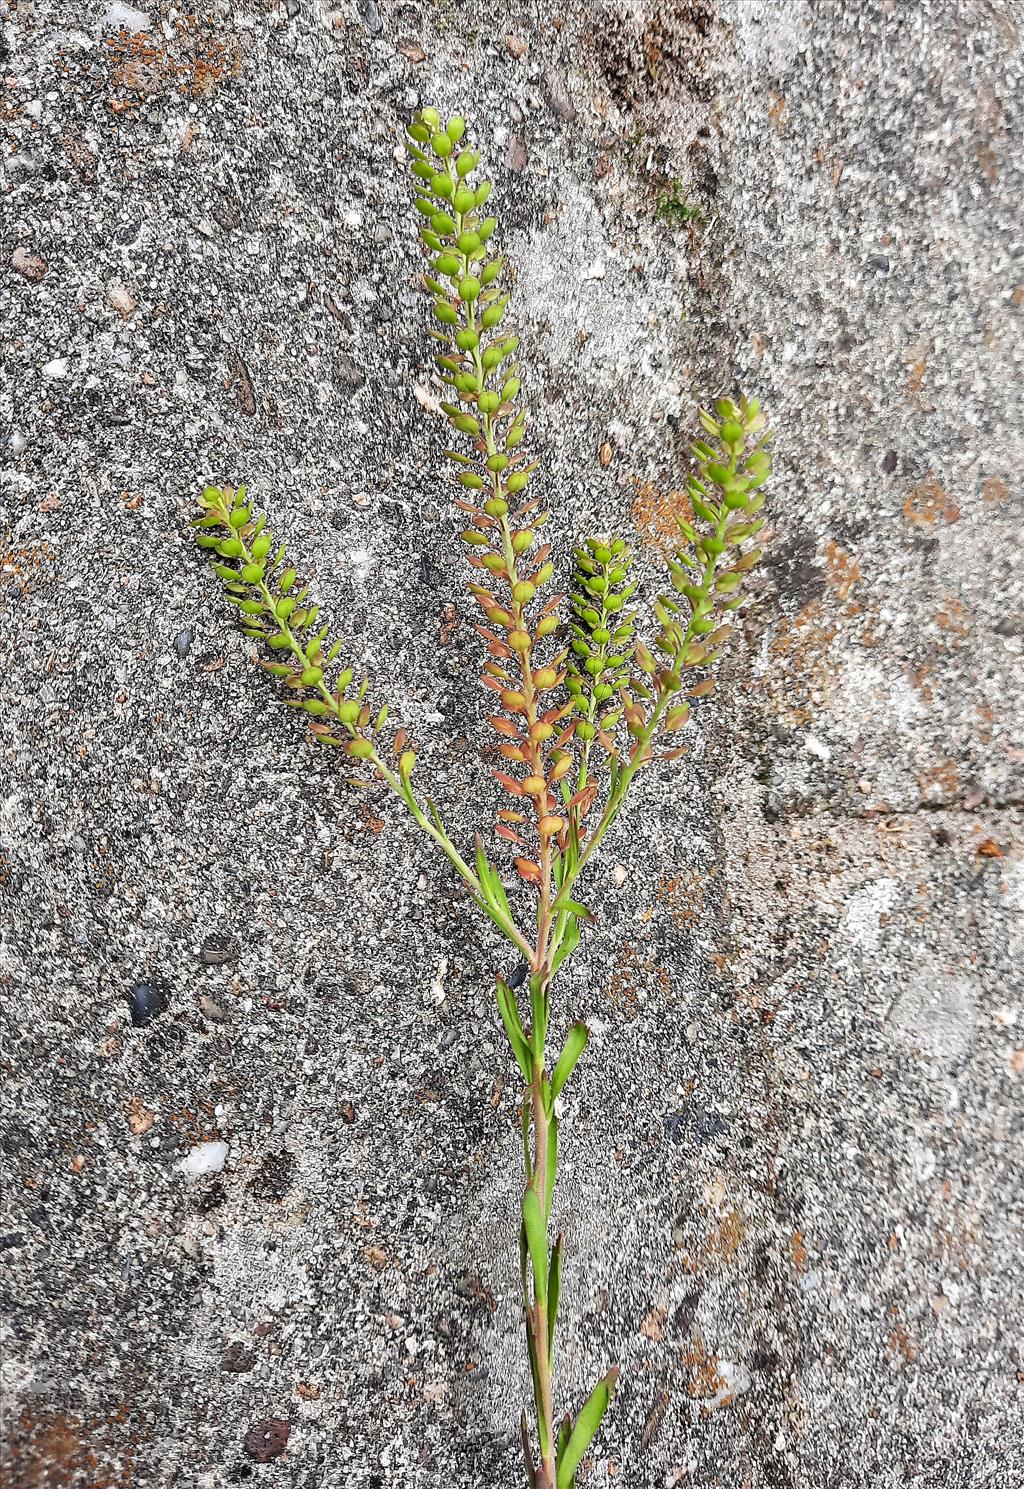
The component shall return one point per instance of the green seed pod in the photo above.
(419, 132)
(284, 608)
(348, 710)
(517, 481)
(469, 288)
(515, 437)
(425, 205)
(732, 433)
(488, 403)
(311, 676)
(230, 548)
(239, 517)
(432, 241)
(468, 241)
(491, 357)
(445, 313)
(497, 463)
(261, 546)
(466, 424)
(473, 538)
(441, 185)
(465, 201)
(483, 191)
(455, 128)
(522, 542)
(486, 228)
(471, 481)
(252, 573)
(494, 563)
(463, 166)
(496, 507)
(544, 573)
(548, 624)
(717, 472)
(361, 749)
(491, 272)
(585, 730)
(492, 315)
(441, 144)
(431, 118)
(286, 581)
(523, 592)
(405, 764)
(448, 265)
(442, 224)
(467, 340)
(423, 170)
(251, 607)
(510, 389)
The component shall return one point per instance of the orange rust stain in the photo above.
(46, 1449)
(899, 1344)
(633, 969)
(705, 1379)
(954, 619)
(941, 778)
(798, 1250)
(776, 108)
(194, 62)
(682, 896)
(843, 571)
(656, 516)
(927, 502)
(18, 566)
(990, 849)
(994, 491)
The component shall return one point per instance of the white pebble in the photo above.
(204, 1158)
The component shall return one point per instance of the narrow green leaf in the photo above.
(575, 1044)
(514, 1029)
(554, 1292)
(564, 1431)
(567, 945)
(549, 1187)
(537, 1241)
(587, 1423)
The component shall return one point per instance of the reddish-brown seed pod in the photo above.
(535, 785)
(549, 825)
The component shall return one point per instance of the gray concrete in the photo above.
(792, 1163)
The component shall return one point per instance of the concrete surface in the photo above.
(793, 1163)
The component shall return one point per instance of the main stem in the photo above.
(537, 1308)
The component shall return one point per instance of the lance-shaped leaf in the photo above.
(514, 1029)
(570, 939)
(552, 1157)
(575, 1044)
(564, 1433)
(537, 1243)
(554, 1292)
(587, 1423)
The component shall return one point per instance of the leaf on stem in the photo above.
(575, 1044)
(587, 1423)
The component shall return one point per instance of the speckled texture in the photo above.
(792, 1174)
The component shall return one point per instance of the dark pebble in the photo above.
(889, 462)
(147, 1001)
(348, 1112)
(236, 1359)
(267, 1439)
(371, 17)
(273, 1178)
(519, 975)
(879, 262)
(218, 949)
(182, 642)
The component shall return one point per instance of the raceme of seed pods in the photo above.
(581, 703)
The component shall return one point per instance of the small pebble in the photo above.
(31, 266)
(147, 1001)
(57, 368)
(204, 1158)
(183, 641)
